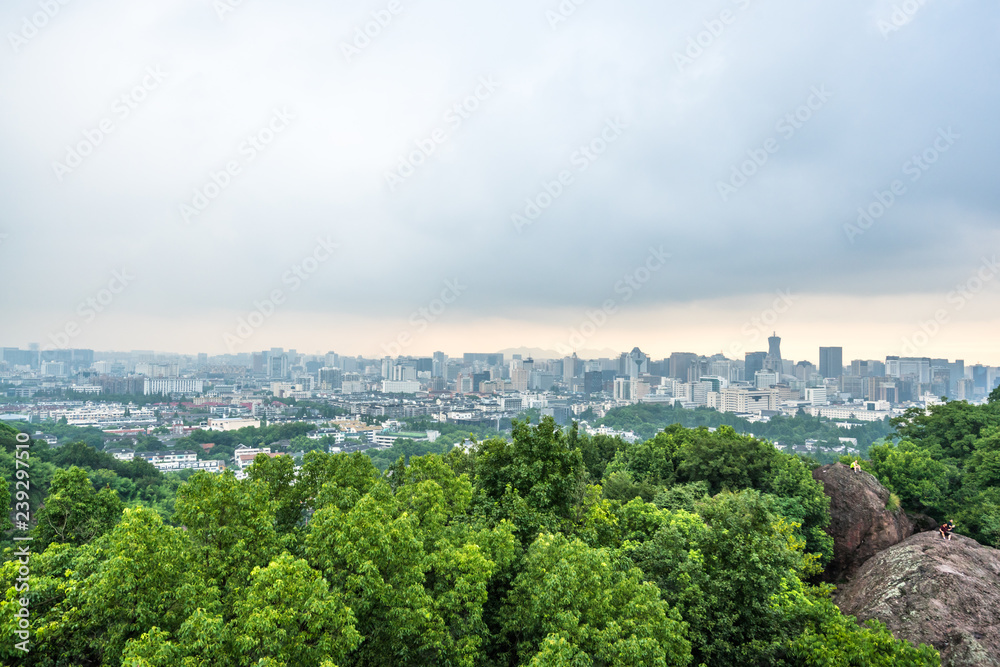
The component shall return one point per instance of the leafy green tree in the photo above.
(73, 512)
(948, 430)
(820, 636)
(136, 577)
(914, 475)
(231, 526)
(373, 553)
(538, 465)
(597, 610)
(289, 615)
(721, 569)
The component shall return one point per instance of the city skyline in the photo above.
(904, 339)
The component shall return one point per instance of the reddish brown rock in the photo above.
(931, 591)
(860, 524)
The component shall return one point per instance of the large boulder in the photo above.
(860, 524)
(931, 591)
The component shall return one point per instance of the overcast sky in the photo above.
(831, 100)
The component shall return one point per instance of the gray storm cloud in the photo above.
(145, 136)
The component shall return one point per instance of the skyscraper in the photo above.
(754, 362)
(680, 363)
(636, 363)
(831, 362)
(772, 362)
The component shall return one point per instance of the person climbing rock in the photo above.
(947, 529)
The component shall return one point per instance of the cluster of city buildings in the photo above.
(476, 388)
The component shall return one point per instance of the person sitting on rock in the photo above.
(856, 467)
(946, 529)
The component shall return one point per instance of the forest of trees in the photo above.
(647, 419)
(946, 464)
(550, 548)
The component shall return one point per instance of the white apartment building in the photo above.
(741, 399)
(104, 414)
(172, 386)
(816, 396)
(855, 411)
(400, 386)
(174, 461)
(229, 423)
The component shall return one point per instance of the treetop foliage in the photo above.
(552, 548)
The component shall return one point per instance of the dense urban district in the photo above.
(284, 509)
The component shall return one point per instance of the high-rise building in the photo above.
(680, 364)
(917, 369)
(519, 379)
(489, 359)
(571, 368)
(804, 370)
(965, 390)
(980, 379)
(478, 379)
(330, 378)
(754, 361)
(593, 382)
(625, 389)
(277, 365)
(957, 373)
(636, 363)
(764, 379)
(772, 362)
(831, 362)
(853, 385)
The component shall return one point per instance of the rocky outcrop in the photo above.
(931, 591)
(860, 524)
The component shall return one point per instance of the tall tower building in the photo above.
(636, 363)
(772, 362)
